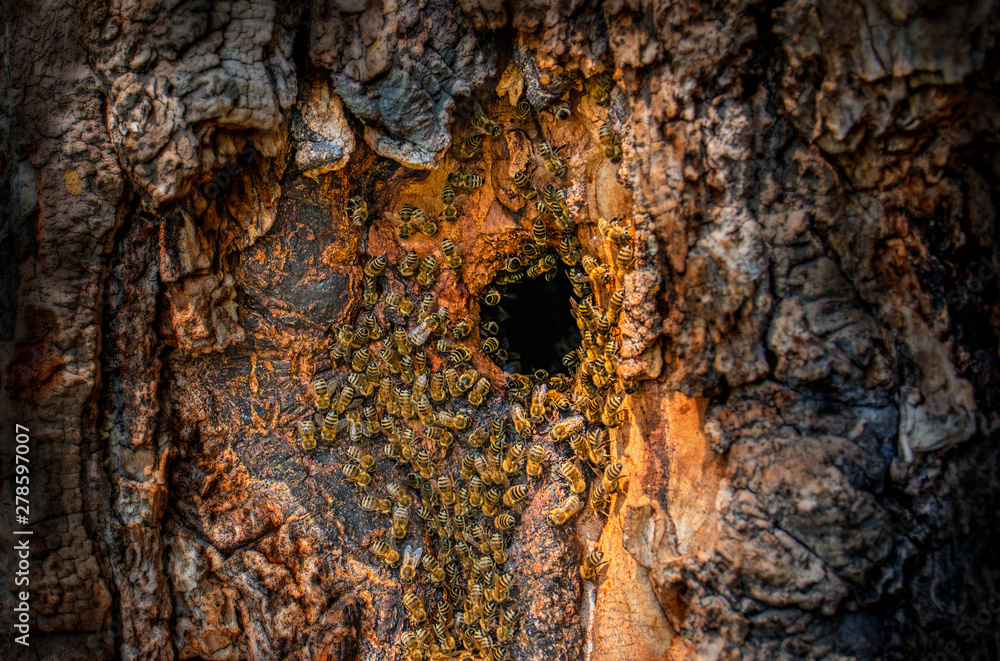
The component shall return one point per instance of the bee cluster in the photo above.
(473, 460)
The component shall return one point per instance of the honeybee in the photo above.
(329, 429)
(424, 410)
(569, 250)
(486, 125)
(437, 387)
(446, 642)
(538, 403)
(375, 266)
(357, 209)
(365, 460)
(470, 145)
(536, 455)
(345, 399)
(512, 460)
(479, 392)
(491, 297)
(546, 265)
(600, 88)
(462, 327)
(390, 451)
(424, 465)
(611, 417)
(560, 109)
(610, 230)
(360, 359)
(490, 501)
(558, 400)
(471, 180)
(524, 187)
(599, 499)
(514, 496)
(405, 230)
(564, 511)
(448, 209)
(400, 519)
(452, 258)
(477, 437)
(423, 510)
(362, 386)
(387, 553)
(523, 110)
(447, 488)
(411, 558)
(490, 345)
(505, 628)
(432, 566)
(400, 303)
(377, 505)
(625, 259)
(345, 336)
(592, 565)
(408, 266)
(580, 448)
(518, 386)
(307, 435)
(420, 333)
(597, 271)
(414, 607)
(457, 421)
(399, 494)
(361, 337)
(597, 447)
(459, 355)
(356, 474)
(369, 290)
(476, 491)
(375, 330)
(610, 478)
(406, 409)
(425, 276)
(539, 234)
(425, 224)
(420, 360)
(573, 476)
(550, 156)
(503, 521)
(467, 378)
(521, 423)
(427, 304)
(615, 303)
(611, 144)
(413, 647)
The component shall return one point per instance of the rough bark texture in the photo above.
(812, 320)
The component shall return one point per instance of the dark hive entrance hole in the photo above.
(537, 322)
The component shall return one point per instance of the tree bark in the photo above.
(811, 323)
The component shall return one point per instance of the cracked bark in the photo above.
(814, 314)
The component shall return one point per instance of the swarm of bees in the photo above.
(459, 462)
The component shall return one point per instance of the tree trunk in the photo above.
(807, 349)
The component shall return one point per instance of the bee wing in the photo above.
(342, 424)
(417, 554)
(318, 420)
